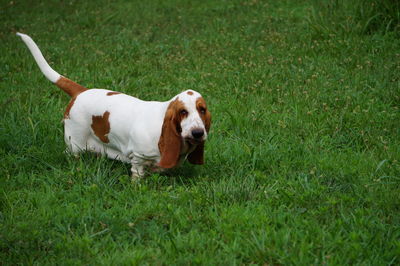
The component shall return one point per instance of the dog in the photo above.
(150, 135)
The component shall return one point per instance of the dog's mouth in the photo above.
(193, 141)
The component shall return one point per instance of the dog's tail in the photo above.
(67, 85)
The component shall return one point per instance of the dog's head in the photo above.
(186, 125)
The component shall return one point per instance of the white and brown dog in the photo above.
(149, 134)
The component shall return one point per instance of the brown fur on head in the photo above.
(170, 142)
(197, 156)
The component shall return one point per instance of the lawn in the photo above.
(302, 162)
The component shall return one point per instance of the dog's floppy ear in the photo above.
(197, 156)
(170, 140)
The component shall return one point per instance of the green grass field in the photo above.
(302, 163)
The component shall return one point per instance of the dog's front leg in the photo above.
(137, 168)
(137, 172)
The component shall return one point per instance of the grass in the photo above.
(302, 163)
(342, 17)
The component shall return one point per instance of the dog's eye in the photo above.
(202, 110)
(183, 112)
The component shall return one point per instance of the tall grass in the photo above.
(343, 17)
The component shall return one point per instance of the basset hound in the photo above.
(151, 135)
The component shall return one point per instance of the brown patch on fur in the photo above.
(70, 87)
(101, 126)
(190, 92)
(68, 109)
(197, 156)
(170, 140)
(110, 93)
(206, 116)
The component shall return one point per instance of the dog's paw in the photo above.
(70, 153)
(135, 177)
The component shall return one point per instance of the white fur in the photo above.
(193, 120)
(50, 73)
(135, 126)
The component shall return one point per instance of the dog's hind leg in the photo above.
(75, 137)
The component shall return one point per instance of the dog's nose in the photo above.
(197, 133)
